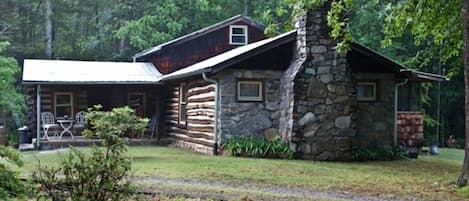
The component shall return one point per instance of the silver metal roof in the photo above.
(205, 65)
(88, 72)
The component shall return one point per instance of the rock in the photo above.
(326, 78)
(318, 49)
(307, 119)
(235, 118)
(310, 71)
(271, 106)
(270, 133)
(311, 130)
(324, 70)
(346, 132)
(331, 88)
(305, 148)
(343, 122)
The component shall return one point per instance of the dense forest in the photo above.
(117, 29)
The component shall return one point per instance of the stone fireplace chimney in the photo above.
(318, 94)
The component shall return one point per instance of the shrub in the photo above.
(380, 153)
(101, 175)
(257, 148)
(10, 184)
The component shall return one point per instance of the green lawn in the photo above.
(427, 177)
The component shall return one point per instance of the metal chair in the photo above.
(48, 123)
(152, 126)
(80, 121)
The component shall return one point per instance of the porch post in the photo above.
(38, 116)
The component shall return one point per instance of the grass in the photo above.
(428, 177)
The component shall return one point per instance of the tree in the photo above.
(11, 100)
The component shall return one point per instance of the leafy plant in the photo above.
(10, 184)
(257, 148)
(102, 174)
(386, 153)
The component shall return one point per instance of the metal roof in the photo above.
(206, 65)
(197, 34)
(88, 72)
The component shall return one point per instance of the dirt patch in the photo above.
(218, 190)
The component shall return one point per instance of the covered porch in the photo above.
(66, 89)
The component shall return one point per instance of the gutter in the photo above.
(396, 99)
(215, 128)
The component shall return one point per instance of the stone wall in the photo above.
(323, 111)
(248, 118)
(375, 119)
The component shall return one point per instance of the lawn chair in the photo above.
(152, 126)
(48, 123)
(80, 121)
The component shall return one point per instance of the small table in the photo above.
(66, 124)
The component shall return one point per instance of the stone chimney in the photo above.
(318, 94)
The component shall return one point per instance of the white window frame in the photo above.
(70, 94)
(245, 34)
(250, 98)
(372, 98)
(182, 103)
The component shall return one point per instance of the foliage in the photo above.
(385, 153)
(102, 174)
(11, 100)
(258, 148)
(10, 184)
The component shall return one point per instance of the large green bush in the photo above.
(11, 187)
(101, 175)
(257, 148)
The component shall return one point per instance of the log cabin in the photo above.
(229, 80)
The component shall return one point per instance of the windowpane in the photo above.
(238, 39)
(183, 93)
(236, 30)
(249, 89)
(366, 91)
(182, 103)
(61, 111)
(2, 120)
(63, 99)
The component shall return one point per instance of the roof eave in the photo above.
(89, 83)
(423, 76)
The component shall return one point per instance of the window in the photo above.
(63, 104)
(2, 120)
(182, 104)
(238, 35)
(250, 91)
(366, 91)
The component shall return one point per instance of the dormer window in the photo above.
(238, 35)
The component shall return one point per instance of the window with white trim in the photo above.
(63, 104)
(366, 91)
(250, 90)
(238, 35)
(182, 104)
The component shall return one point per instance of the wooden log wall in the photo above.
(197, 133)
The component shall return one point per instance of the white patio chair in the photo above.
(80, 121)
(48, 123)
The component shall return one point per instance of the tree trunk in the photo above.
(48, 19)
(245, 11)
(462, 180)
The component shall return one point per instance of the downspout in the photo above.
(396, 99)
(38, 116)
(215, 128)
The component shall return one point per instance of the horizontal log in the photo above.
(202, 100)
(200, 91)
(199, 117)
(192, 134)
(199, 127)
(201, 141)
(193, 146)
(200, 121)
(200, 105)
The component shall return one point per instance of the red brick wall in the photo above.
(410, 128)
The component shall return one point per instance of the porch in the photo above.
(64, 89)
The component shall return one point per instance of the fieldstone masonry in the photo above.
(318, 111)
(240, 118)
